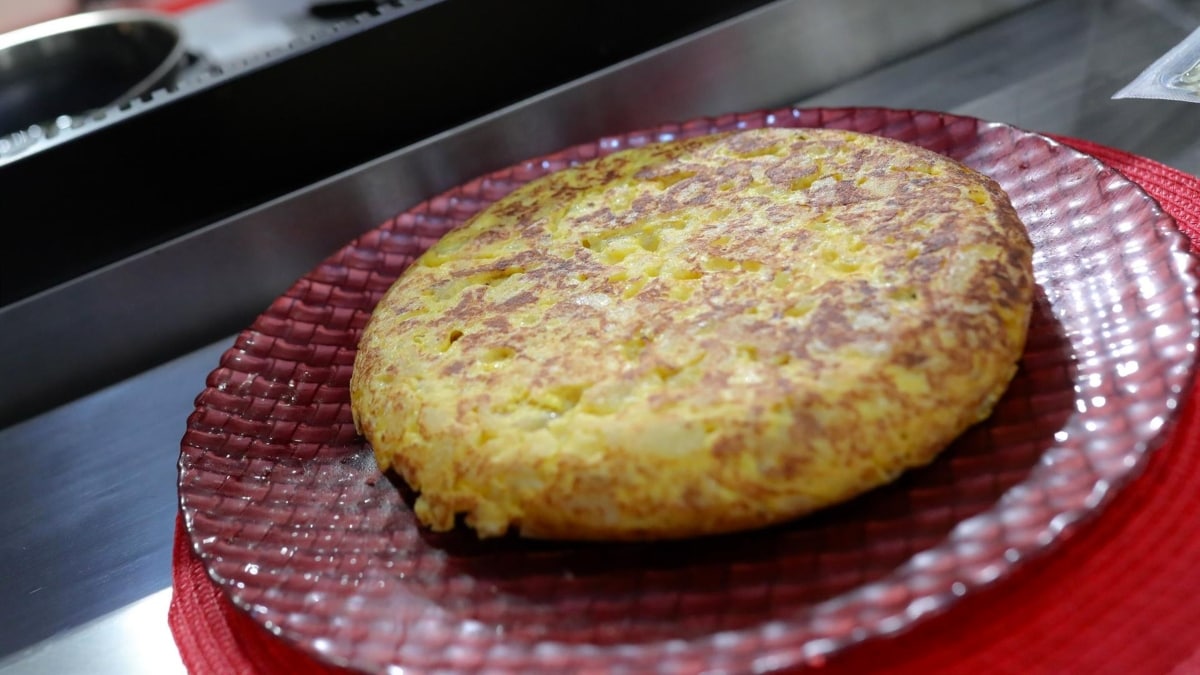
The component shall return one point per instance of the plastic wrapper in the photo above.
(1175, 76)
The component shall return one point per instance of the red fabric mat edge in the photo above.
(1107, 601)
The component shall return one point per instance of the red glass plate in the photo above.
(292, 519)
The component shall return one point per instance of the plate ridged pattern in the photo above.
(285, 506)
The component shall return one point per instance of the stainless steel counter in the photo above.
(87, 490)
(1053, 69)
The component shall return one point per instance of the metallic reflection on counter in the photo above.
(133, 640)
(1052, 69)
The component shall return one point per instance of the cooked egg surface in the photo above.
(696, 337)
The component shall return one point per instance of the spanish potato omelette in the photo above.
(697, 336)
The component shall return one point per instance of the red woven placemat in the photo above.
(1121, 596)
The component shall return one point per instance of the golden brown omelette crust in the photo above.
(697, 337)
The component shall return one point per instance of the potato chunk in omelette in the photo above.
(696, 337)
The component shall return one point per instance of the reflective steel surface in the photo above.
(87, 490)
(134, 640)
(88, 498)
(1053, 69)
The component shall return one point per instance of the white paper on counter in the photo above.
(1175, 76)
